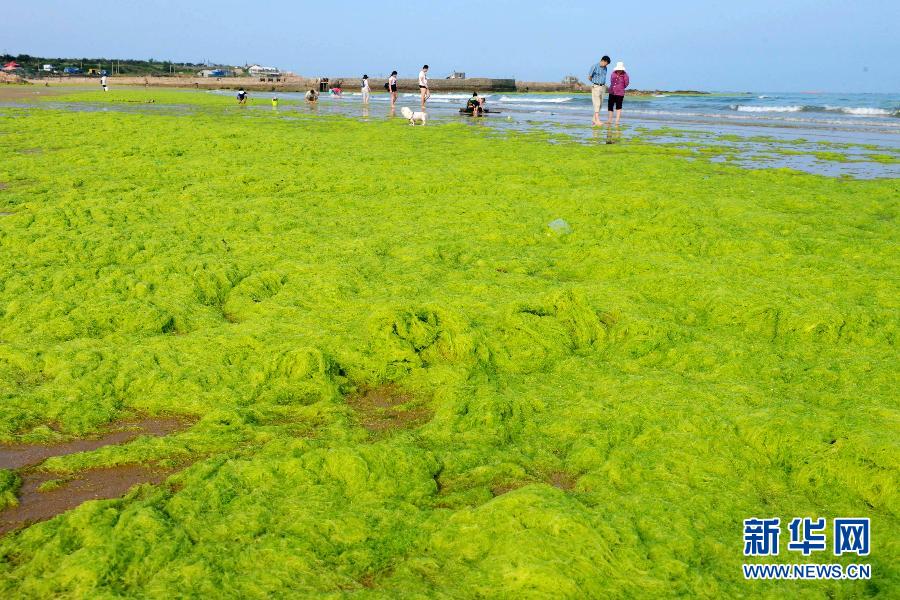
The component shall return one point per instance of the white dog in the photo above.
(412, 117)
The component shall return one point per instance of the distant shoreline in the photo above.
(301, 84)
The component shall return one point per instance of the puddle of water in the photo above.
(95, 484)
(17, 456)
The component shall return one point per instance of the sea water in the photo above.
(866, 118)
(868, 122)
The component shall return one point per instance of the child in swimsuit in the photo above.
(423, 85)
(365, 89)
(392, 88)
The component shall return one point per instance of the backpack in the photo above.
(387, 86)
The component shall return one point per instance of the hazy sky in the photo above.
(757, 45)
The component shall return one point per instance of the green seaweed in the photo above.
(9, 485)
(583, 415)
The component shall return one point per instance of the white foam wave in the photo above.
(766, 109)
(441, 96)
(861, 111)
(535, 100)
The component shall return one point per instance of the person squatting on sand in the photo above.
(365, 89)
(423, 85)
(476, 105)
(617, 84)
(597, 77)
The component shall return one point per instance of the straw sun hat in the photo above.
(620, 66)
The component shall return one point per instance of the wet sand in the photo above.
(17, 456)
(44, 494)
(19, 92)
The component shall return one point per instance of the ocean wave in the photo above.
(766, 109)
(859, 111)
(751, 117)
(863, 111)
(535, 100)
(440, 96)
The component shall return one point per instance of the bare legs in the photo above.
(618, 116)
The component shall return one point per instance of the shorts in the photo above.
(597, 92)
(615, 102)
(394, 88)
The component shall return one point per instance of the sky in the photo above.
(751, 45)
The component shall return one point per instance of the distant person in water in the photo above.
(274, 101)
(312, 96)
(103, 82)
(597, 77)
(242, 96)
(617, 84)
(365, 89)
(338, 90)
(476, 105)
(391, 87)
(423, 86)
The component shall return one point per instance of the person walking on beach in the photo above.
(391, 86)
(242, 96)
(365, 89)
(103, 82)
(423, 85)
(597, 77)
(617, 84)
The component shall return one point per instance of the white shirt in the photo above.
(365, 86)
(103, 80)
(423, 79)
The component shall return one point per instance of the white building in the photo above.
(259, 71)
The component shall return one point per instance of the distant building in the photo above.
(570, 80)
(213, 73)
(48, 68)
(259, 71)
(457, 75)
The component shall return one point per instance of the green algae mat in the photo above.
(401, 382)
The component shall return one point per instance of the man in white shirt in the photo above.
(103, 83)
(423, 85)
